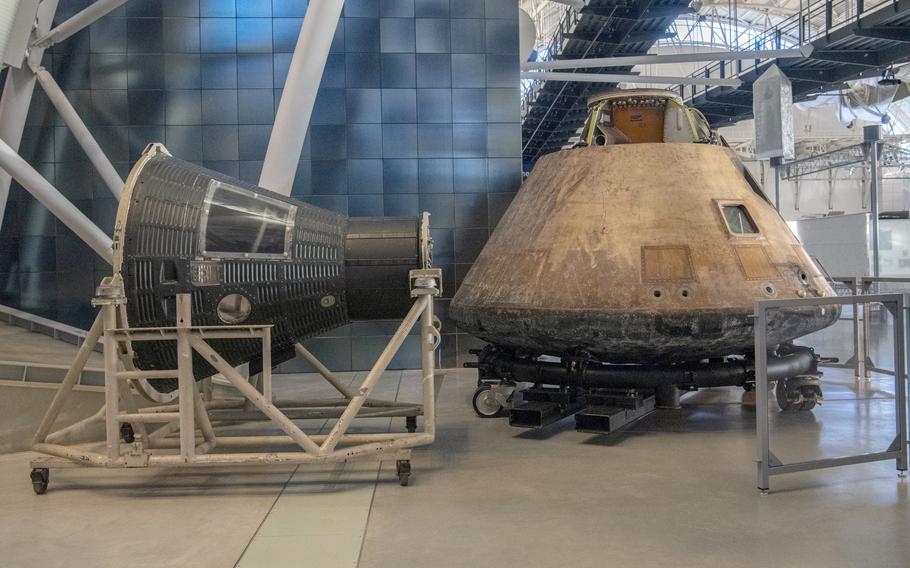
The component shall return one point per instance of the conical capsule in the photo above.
(647, 243)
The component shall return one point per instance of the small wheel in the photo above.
(792, 400)
(40, 477)
(783, 397)
(485, 403)
(403, 467)
(126, 433)
(410, 422)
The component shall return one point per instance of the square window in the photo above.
(738, 220)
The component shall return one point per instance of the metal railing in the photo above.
(813, 20)
(767, 463)
(891, 156)
(38, 324)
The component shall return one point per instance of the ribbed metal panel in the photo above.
(299, 287)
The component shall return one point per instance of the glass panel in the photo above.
(243, 222)
(738, 220)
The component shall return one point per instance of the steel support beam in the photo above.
(48, 195)
(890, 33)
(17, 97)
(81, 133)
(805, 51)
(620, 78)
(299, 96)
(78, 22)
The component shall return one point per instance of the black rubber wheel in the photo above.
(410, 422)
(783, 400)
(485, 404)
(403, 467)
(126, 433)
(40, 477)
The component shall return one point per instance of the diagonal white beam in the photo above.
(634, 79)
(17, 97)
(804, 51)
(80, 132)
(299, 95)
(78, 22)
(48, 195)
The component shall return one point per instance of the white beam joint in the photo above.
(78, 22)
(50, 197)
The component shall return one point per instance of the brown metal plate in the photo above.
(666, 264)
(754, 262)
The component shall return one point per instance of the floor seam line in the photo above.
(366, 524)
(266, 516)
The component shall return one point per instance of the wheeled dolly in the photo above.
(187, 431)
(403, 469)
(40, 477)
(492, 399)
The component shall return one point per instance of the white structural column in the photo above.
(81, 133)
(299, 96)
(48, 195)
(17, 97)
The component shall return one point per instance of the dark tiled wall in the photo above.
(417, 110)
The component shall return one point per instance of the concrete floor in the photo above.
(677, 489)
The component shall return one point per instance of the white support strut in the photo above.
(51, 198)
(17, 96)
(708, 56)
(620, 78)
(81, 133)
(78, 22)
(296, 106)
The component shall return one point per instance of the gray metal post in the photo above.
(48, 195)
(296, 106)
(17, 97)
(80, 132)
(775, 166)
(900, 379)
(873, 135)
(185, 380)
(763, 426)
(111, 382)
(79, 21)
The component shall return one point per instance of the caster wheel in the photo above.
(40, 478)
(783, 397)
(404, 472)
(126, 433)
(796, 395)
(485, 403)
(410, 422)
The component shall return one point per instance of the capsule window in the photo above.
(234, 308)
(239, 222)
(738, 220)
